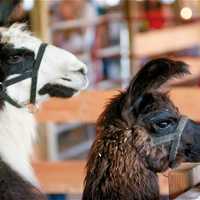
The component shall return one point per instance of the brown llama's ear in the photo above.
(154, 74)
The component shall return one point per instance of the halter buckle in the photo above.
(2, 87)
(32, 108)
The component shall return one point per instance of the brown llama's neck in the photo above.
(115, 170)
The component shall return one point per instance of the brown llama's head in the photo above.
(140, 133)
(147, 116)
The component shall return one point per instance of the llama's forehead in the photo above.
(19, 37)
(157, 101)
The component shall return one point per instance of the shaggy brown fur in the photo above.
(122, 163)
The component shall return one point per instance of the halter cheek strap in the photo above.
(36, 66)
(175, 137)
(31, 73)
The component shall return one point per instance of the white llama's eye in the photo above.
(14, 59)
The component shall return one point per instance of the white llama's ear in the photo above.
(19, 26)
(14, 31)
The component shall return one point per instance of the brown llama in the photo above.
(140, 133)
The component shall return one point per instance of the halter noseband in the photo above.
(32, 73)
(175, 137)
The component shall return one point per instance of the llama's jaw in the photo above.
(66, 86)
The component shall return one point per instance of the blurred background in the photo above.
(114, 38)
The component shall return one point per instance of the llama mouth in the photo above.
(173, 165)
(57, 90)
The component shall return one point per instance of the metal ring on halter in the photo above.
(2, 87)
(31, 73)
(175, 137)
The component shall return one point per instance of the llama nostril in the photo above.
(66, 79)
(82, 71)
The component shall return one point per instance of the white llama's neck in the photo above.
(17, 133)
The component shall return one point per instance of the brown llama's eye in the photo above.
(14, 59)
(163, 124)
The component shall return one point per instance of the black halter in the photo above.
(175, 137)
(32, 73)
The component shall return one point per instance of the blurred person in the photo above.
(154, 14)
(6, 8)
(107, 34)
(78, 39)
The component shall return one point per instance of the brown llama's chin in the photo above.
(158, 165)
(158, 159)
(176, 163)
(162, 164)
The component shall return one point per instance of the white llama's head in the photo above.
(60, 74)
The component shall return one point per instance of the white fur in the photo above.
(16, 136)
